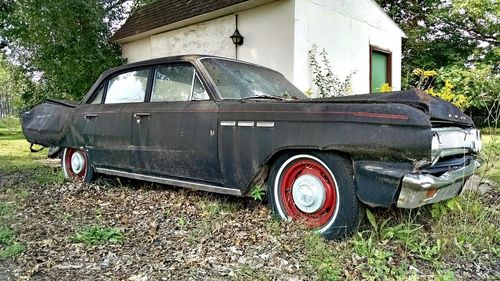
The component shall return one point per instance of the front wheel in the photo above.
(318, 190)
(76, 165)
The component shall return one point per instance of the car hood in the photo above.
(439, 111)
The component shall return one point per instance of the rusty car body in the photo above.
(237, 125)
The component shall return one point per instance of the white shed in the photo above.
(357, 34)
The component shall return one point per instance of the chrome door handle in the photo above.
(139, 115)
(90, 116)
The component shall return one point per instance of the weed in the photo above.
(5, 210)
(376, 264)
(445, 276)
(181, 223)
(6, 235)
(11, 250)
(22, 194)
(274, 227)
(320, 258)
(67, 217)
(50, 177)
(98, 214)
(257, 193)
(8, 246)
(95, 235)
(215, 205)
(167, 213)
(211, 208)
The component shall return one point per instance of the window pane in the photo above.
(173, 83)
(199, 92)
(98, 98)
(127, 87)
(379, 70)
(236, 80)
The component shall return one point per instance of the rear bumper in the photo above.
(421, 189)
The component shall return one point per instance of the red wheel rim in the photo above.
(311, 168)
(68, 156)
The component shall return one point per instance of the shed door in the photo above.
(380, 69)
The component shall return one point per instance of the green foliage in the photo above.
(11, 250)
(375, 258)
(181, 223)
(95, 235)
(8, 246)
(320, 257)
(215, 206)
(274, 226)
(445, 276)
(5, 210)
(490, 156)
(60, 46)
(479, 84)
(446, 33)
(328, 84)
(257, 193)
(6, 235)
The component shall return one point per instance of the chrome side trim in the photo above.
(421, 189)
(174, 182)
(246, 123)
(228, 123)
(265, 124)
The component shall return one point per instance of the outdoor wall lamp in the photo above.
(237, 38)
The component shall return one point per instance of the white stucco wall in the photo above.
(346, 29)
(137, 50)
(269, 34)
(208, 38)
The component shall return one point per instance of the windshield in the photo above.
(236, 80)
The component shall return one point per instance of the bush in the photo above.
(328, 84)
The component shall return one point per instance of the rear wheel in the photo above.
(76, 165)
(318, 190)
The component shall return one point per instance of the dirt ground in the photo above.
(169, 234)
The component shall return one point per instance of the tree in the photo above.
(442, 33)
(62, 46)
(14, 83)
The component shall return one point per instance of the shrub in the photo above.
(328, 84)
(94, 235)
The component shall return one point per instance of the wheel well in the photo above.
(263, 173)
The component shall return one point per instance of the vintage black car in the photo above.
(226, 126)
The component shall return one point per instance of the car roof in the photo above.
(187, 58)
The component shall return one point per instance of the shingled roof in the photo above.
(164, 12)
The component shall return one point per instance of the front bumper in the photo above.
(421, 189)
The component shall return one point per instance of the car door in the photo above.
(175, 132)
(108, 125)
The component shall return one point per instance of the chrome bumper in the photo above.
(420, 189)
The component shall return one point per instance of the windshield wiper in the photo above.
(262, 97)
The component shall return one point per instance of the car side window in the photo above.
(98, 97)
(127, 87)
(199, 92)
(177, 83)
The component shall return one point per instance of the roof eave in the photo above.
(193, 20)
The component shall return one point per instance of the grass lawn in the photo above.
(491, 157)
(123, 229)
